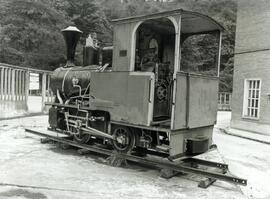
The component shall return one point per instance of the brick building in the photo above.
(251, 88)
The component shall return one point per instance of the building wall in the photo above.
(253, 25)
(252, 60)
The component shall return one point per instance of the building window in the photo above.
(252, 92)
(224, 98)
(227, 98)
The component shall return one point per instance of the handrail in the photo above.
(3, 65)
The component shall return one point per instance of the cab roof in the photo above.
(191, 23)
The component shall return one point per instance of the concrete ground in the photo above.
(19, 108)
(32, 170)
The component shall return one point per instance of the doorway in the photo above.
(155, 46)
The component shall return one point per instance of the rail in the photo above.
(185, 165)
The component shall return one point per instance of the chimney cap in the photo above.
(72, 28)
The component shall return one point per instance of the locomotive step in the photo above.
(176, 167)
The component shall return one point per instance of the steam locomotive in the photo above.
(146, 99)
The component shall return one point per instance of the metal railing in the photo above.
(15, 82)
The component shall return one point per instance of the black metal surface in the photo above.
(71, 36)
(179, 167)
(90, 56)
(197, 145)
(65, 105)
(206, 163)
(53, 117)
(153, 128)
(61, 80)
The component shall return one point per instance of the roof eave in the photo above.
(166, 14)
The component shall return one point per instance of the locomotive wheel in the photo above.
(124, 139)
(82, 138)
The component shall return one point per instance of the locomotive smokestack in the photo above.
(71, 35)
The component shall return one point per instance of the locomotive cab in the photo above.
(155, 40)
(161, 92)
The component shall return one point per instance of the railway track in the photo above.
(211, 170)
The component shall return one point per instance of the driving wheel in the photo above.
(124, 139)
(81, 137)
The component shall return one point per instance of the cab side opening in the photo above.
(155, 46)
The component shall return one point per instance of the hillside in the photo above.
(30, 29)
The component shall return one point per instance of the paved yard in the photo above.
(32, 170)
(20, 108)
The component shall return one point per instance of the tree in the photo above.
(30, 34)
(89, 17)
(224, 11)
(30, 29)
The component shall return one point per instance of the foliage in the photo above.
(224, 11)
(88, 17)
(30, 29)
(30, 34)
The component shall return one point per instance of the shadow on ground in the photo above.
(22, 193)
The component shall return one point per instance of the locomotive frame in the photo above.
(135, 105)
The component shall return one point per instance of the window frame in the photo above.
(245, 99)
(227, 99)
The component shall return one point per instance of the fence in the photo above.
(224, 101)
(15, 82)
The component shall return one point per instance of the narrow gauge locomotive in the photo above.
(149, 99)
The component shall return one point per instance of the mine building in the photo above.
(251, 86)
